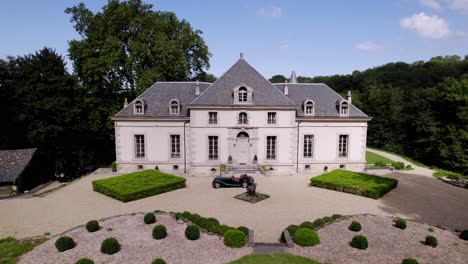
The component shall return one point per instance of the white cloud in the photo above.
(431, 3)
(369, 46)
(459, 4)
(284, 46)
(426, 26)
(272, 11)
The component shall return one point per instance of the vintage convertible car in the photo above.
(243, 181)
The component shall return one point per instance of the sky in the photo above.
(311, 37)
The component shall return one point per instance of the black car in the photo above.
(243, 181)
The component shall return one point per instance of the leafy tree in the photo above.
(278, 79)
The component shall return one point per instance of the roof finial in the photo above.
(242, 55)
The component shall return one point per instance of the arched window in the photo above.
(242, 135)
(243, 118)
(139, 108)
(242, 94)
(174, 107)
(344, 109)
(309, 108)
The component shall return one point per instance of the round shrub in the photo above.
(400, 223)
(110, 246)
(307, 224)
(336, 216)
(327, 219)
(211, 227)
(64, 243)
(292, 229)
(409, 261)
(319, 223)
(431, 241)
(92, 226)
(192, 232)
(186, 214)
(158, 261)
(195, 218)
(398, 165)
(380, 164)
(85, 261)
(234, 238)
(359, 242)
(149, 218)
(464, 235)
(178, 216)
(244, 230)
(159, 232)
(306, 237)
(214, 220)
(355, 226)
(223, 228)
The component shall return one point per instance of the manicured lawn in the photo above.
(372, 158)
(356, 183)
(274, 259)
(11, 249)
(137, 185)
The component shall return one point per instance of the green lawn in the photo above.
(372, 158)
(357, 183)
(11, 249)
(137, 185)
(279, 258)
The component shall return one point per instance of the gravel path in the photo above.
(387, 244)
(417, 170)
(137, 245)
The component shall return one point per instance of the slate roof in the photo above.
(13, 162)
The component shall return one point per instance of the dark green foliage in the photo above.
(464, 235)
(234, 238)
(159, 232)
(85, 261)
(431, 241)
(178, 216)
(64, 243)
(318, 223)
(409, 261)
(158, 261)
(307, 224)
(306, 237)
(211, 227)
(359, 242)
(327, 219)
(186, 214)
(336, 216)
(380, 164)
(398, 165)
(400, 223)
(223, 229)
(355, 226)
(92, 226)
(110, 246)
(214, 220)
(192, 232)
(149, 218)
(244, 230)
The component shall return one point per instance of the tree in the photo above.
(278, 79)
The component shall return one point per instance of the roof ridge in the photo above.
(345, 100)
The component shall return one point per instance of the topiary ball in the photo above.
(464, 235)
(192, 232)
(149, 218)
(336, 216)
(307, 224)
(85, 261)
(92, 226)
(319, 223)
(211, 219)
(292, 229)
(327, 219)
(234, 238)
(306, 237)
(159, 232)
(359, 242)
(158, 261)
(64, 243)
(244, 230)
(409, 261)
(431, 241)
(400, 223)
(110, 246)
(355, 226)
(223, 228)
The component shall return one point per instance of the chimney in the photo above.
(197, 88)
(286, 89)
(293, 78)
(125, 102)
(349, 97)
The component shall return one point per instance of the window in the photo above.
(271, 117)
(308, 146)
(175, 146)
(213, 147)
(309, 108)
(139, 146)
(242, 94)
(243, 118)
(175, 167)
(343, 146)
(212, 117)
(271, 147)
(138, 107)
(174, 107)
(344, 109)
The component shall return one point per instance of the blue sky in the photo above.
(311, 37)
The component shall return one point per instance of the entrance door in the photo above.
(242, 149)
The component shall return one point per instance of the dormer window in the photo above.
(309, 108)
(243, 118)
(344, 109)
(174, 107)
(242, 94)
(138, 108)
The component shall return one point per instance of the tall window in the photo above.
(213, 147)
(139, 146)
(308, 146)
(344, 109)
(343, 146)
(175, 146)
(174, 107)
(309, 108)
(271, 117)
(212, 117)
(242, 94)
(243, 118)
(138, 108)
(271, 147)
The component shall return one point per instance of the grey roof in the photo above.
(158, 96)
(13, 162)
(324, 99)
(242, 74)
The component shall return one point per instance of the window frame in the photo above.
(243, 121)
(243, 94)
(213, 150)
(271, 147)
(173, 103)
(344, 105)
(212, 121)
(309, 103)
(308, 146)
(344, 145)
(175, 146)
(139, 108)
(273, 120)
(139, 146)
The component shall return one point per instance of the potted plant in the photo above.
(229, 159)
(255, 159)
(114, 166)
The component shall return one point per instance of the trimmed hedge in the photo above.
(244, 230)
(431, 241)
(158, 261)
(138, 185)
(464, 235)
(210, 224)
(336, 216)
(110, 246)
(159, 232)
(92, 226)
(327, 219)
(234, 238)
(398, 165)
(306, 237)
(192, 232)
(355, 226)
(409, 261)
(85, 261)
(307, 224)
(223, 229)
(359, 242)
(149, 218)
(64, 243)
(400, 223)
(318, 223)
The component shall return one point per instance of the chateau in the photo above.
(241, 120)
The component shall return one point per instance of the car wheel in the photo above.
(216, 185)
(244, 185)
